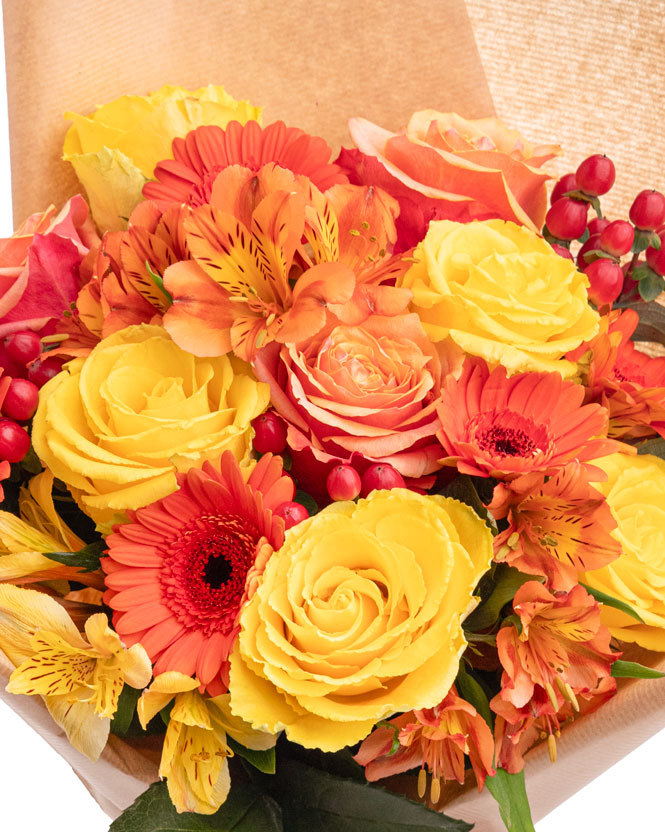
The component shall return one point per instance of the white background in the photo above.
(38, 790)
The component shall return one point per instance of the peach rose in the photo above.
(474, 169)
(39, 266)
(357, 393)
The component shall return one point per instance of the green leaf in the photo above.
(31, 463)
(651, 286)
(306, 500)
(507, 580)
(246, 809)
(652, 322)
(610, 601)
(86, 559)
(642, 240)
(315, 800)
(510, 793)
(262, 760)
(469, 688)
(462, 488)
(655, 447)
(584, 237)
(159, 283)
(122, 719)
(634, 670)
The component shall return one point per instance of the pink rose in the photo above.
(361, 394)
(39, 267)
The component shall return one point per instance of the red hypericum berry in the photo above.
(291, 513)
(14, 441)
(656, 257)
(381, 476)
(21, 400)
(565, 184)
(42, 371)
(562, 251)
(270, 433)
(595, 175)
(23, 347)
(566, 219)
(597, 225)
(648, 210)
(343, 483)
(605, 281)
(592, 243)
(617, 238)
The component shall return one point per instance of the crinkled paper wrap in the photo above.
(314, 64)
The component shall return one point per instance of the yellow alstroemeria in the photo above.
(25, 540)
(80, 680)
(194, 757)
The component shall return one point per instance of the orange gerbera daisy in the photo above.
(437, 739)
(204, 152)
(561, 643)
(558, 528)
(179, 573)
(495, 426)
(630, 384)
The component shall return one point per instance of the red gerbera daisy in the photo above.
(204, 152)
(181, 570)
(494, 426)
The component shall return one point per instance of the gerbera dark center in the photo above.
(217, 571)
(205, 571)
(507, 441)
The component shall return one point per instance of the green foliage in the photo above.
(122, 719)
(246, 809)
(610, 601)
(311, 799)
(510, 793)
(306, 500)
(634, 670)
(655, 447)
(469, 688)
(86, 559)
(264, 761)
(507, 580)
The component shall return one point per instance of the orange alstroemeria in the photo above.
(558, 528)
(269, 259)
(562, 647)
(436, 739)
(629, 383)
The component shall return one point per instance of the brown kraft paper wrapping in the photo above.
(315, 64)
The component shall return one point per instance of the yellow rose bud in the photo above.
(359, 615)
(116, 425)
(499, 291)
(635, 492)
(115, 149)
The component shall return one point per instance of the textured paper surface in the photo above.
(312, 63)
(587, 74)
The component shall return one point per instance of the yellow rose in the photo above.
(500, 292)
(116, 425)
(115, 149)
(358, 616)
(635, 492)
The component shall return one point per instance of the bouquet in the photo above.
(329, 484)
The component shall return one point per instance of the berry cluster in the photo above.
(344, 482)
(26, 373)
(604, 243)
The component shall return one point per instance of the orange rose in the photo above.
(357, 393)
(475, 169)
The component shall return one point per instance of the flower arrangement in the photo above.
(321, 473)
